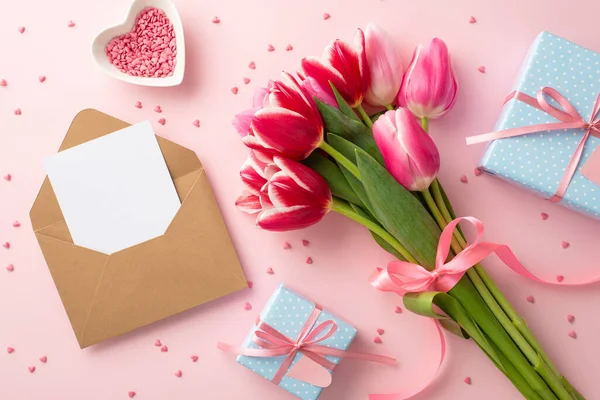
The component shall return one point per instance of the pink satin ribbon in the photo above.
(569, 119)
(273, 343)
(403, 277)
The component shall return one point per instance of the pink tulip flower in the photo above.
(243, 120)
(342, 65)
(316, 90)
(294, 197)
(409, 153)
(253, 174)
(385, 67)
(429, 87)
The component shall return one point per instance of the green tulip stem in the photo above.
(363, 114)
(389, 107)
(344, 208)
(425, 123)
(340, 158)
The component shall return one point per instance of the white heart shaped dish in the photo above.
(99, 45)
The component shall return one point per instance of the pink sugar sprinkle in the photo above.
(162, 121)
(235, 90)
(10, 350)
(309, 260)
(18, 111)
(194, 358)
(464, 179)
(178, 373)
(467, 380)
(477, 172)
(560, 278)
(270, 48)
(571, 318)
(270, 271)
(252, 65)
(7, 177)
(305, 243)
(565, 245)
(196, 123)
(287, 245)
(544, 216)
(472, 20)
(131, 394)
(149, 50)
(377, 340)
(398, 310)
(42, 79)
(531, 299)
(247, 306)
(10, 268)
(380, 331)
(6, 245)
(216, 20)
(138, 104)
(481, 69)
(3, 82)
(16, 224)
(326, 16)
(157, 109)
(573, 334)
(289, 47)
(71, 24)
(21, 29)
(250, 284)
(31, 369)
(246, 81)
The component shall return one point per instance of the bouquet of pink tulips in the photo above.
(314, 149)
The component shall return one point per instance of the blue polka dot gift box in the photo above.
(303, 338)
(555, 101)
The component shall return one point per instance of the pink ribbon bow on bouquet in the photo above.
(570, 119)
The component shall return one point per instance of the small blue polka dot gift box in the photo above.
(548, 129)
(295, 341)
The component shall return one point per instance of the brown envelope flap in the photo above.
(193, 263)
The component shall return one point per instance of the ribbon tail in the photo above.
(524, 130)
(244, 351)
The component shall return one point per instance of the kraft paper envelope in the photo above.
(107, 295)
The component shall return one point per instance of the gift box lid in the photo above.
(538, 161)
(288, 311)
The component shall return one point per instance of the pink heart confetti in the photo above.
(178, 373)
(398, 310)
(305, 243)
(21, 29)
(481, 69)
(287, 246)
(377, 340)
(138, 104)
(289, 47)
(565, 245)
(464, 179)
(246, 81)
(162, 121)
(270, 271)
(10, 350)
(71, 24)
(247, 306)
(18, 111)
(10, 268)
(31, 369)
(467, 380)
(270, 48)
(544, 216)
(235, 90)
(6, 245)
(42, 78)
(194, 358)
(16, 224)
(250, 284)
(560, 278)
(309, 260)
(477, 172)
(252, 65)
(157, 343)
(44, 359)
(216, 20)
(573, 334)
(196, 123)
(157, 109)
(131, 394)
(531, 299)
(571, 318)
(472, 20)
(7, 177)
(326, 16)
(3, 82)
(380, 331)
(164, 349)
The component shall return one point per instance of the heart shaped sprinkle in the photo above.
(467, 380)
(380, 331)
(216, 20)
(326, 16)
(149, 50)
(7, 177)
(138, 104)
(196, 123)
(544, 216)
(21, 29)
(305, 243)
(560, 278)
(377, 340)
(464, 179)
(71, 24)
(31, 369)
(246, 81)
(157, 109)
(252, 65)
(178, 373)
(289, 47)
(250, 284)
(162, 121)
(157, 343)
(247, 306)
(16, 224)
(235, 90)
(131, 394)
(270, 48)
(286, 246)
(270, 271)
(3, 82)
(164, 349)
(10, 350)
(42, 78)
(398, 310)
(472, 20)
(44, 359)
(571, 318)
(18, 111)
(531, 299)
(565, 245)
(194, 358)
(481, 69)
(309, 260)
(477, 172)
(6, 245)
(10, 268)
(573, 334)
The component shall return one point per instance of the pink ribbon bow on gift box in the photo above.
(570, 119)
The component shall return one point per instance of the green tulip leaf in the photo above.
(381, 242)
(398, 211)
(343, 105)
(329, 170)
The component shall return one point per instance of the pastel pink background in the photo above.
(32, 319)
